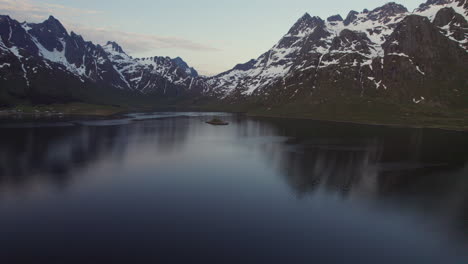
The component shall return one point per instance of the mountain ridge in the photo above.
(368, 56)
(359, 42)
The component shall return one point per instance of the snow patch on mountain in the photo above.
(142, 74)
(311, 39)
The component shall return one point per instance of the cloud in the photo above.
(31, 11)
(139, 43)
(82, 21)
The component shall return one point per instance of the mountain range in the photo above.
(383, 59)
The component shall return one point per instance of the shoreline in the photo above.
(369, 123)
(103, 112)
(61, 111)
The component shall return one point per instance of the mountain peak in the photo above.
(306, 16)
(352, 15)
(180, 62)
(115, 47)
(53, 21)
(53, 25)
(183, 65)
(429, 3)
(305, 22)
(388, 10)
(245, 66)
(335, 18)
(393, 6)
(7, 17)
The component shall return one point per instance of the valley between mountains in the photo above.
(389, 65)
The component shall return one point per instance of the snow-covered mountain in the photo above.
(44, 61)
(388, 51)
(155, 75)
(48, 47)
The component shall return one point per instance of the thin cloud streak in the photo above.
(139, 43)
(27, 10)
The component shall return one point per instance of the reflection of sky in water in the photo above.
(276, 190)
(127, 119)
(33, 125)
(142, 116)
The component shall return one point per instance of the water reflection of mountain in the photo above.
(57, 154)
(423, 169)
(347, 156)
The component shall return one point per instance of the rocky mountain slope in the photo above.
(44, 63)
(385, 56)
(160, 76)
(404, 57)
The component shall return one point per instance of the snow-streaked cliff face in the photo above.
(355, 53)
(148, 75)
(54, 49)
(314, 44)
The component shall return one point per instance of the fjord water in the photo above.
(167, 188)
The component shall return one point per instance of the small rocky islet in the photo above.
(217, 122)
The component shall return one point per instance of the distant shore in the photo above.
(61, 110)
(436, 125)
(113, 111)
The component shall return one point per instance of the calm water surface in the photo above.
(168, 188)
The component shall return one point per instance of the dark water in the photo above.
(175, 189)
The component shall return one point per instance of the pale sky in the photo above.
(210, 35)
